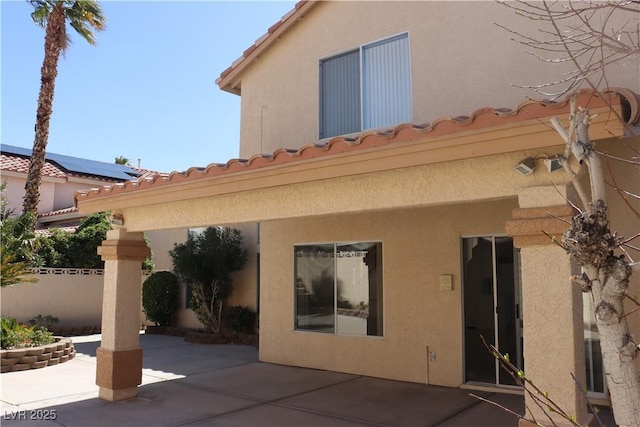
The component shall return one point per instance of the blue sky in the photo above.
(146, 91)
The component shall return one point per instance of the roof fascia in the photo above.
(52, 219)
(526, 135)
(92, 181)
(23, 175)
(230, 79)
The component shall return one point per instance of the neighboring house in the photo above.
(386, 248)
(63, 175)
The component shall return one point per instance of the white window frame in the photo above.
(360, 49)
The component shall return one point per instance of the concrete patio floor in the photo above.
(187, 384)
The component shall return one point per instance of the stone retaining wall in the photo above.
(22, 359)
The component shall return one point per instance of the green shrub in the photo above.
(43, 322)
(79, 250)
(160, 297)
(17, 335)
(206, 262)
(240, 319)
(41, 336)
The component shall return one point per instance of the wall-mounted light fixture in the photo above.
(525, 167)
(553, 163)
(116, 219)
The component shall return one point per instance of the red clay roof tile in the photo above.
(71, 209)
(403, 133)
(9, 162)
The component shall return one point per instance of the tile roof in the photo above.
(403, 133)
(18, 158)
(10, 162)
(51, 214)
(47, 232)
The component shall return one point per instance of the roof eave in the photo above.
(230, 80)
(410, 149)
(45, 178)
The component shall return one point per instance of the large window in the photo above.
(366, 88)
(339, 288)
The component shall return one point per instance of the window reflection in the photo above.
(339, 288)
(314, 267)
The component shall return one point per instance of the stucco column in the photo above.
(119, 364)
(551, 304)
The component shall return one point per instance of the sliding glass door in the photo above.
(492, 307)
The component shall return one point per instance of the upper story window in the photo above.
(366, 88)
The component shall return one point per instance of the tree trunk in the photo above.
(606, 276)
(54, 43)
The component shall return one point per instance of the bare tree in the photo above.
(605, 273)
(588, 39)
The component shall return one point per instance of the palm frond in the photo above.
(84, 16)
(14, 272)
(41, 12)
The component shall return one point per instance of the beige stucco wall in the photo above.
(55, 193)
(460, 61)
(418, 246)
(623, 220)
(15, 193)
(552, 313)
(488, 178)
(76, 300)
(64, 192)
(245, 282)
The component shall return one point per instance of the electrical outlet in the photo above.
(432, 356)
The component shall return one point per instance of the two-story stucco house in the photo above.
(379, 141)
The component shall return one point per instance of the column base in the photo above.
(118, 373)
(116, 395)
(590, 421)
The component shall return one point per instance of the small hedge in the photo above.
(240, 319)
(160, 297)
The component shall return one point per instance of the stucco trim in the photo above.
(530, 226)
(45, 178)
(486, 132)
(131, 250)
(118, 369)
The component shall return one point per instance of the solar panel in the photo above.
(79, 166)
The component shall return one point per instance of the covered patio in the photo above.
(416, 189)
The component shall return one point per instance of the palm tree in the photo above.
(85, 17)
(121, 160)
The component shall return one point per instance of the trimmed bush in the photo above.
(160, 297)
(206, 262)
(240, 319)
